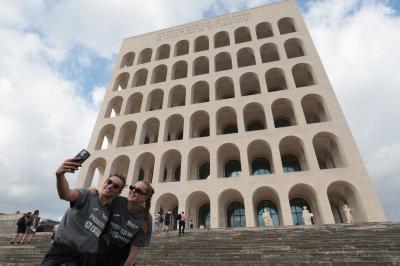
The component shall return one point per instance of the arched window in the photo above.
(163, 52)
(290, 163)
(181, 48)
(201, 44)
(134, 103)
(159, 74)
(177, 96)
(201, 66)
(267, 205)
(249, 84)
(230, 129)
(177, 176)
(179, 70)
(145, 56)
(224, 88)
(127, 134)
(140, 78)
(269, 53)
(314, 110)
(261, 166)
(127, 60)
(155, 100)
(302, 75)
(282, 122)
(296, 206)
(264, 30)
(221, 39)
(245, 57)
(114, 107)
(233, 168)
(275, 80)
(294, 48)
(200, 92)
(223, 61)
(236, 215)
(204, 170)
(242, 34)
(121, 81)
(286, 25)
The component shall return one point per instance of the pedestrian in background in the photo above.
(21, 228)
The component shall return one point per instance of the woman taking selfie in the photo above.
(129, 227)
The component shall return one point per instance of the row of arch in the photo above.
(202, 43)
(275, 78)
(231, 207)
(254, 118)
(228, 160)
(199, 93)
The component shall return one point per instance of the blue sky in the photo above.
(57, 56)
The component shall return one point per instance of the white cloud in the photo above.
(43, 120)
(97, 95)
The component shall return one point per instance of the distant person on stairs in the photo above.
(21, 228)
(167, 221)
(181, 218)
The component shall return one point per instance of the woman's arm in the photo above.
(64, 192)
(133, 253)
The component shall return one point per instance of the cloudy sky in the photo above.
(56, 58)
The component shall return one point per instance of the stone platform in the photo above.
(340, 244)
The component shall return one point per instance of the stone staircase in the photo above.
(341, 244)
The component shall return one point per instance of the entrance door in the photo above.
(204, 215)
(236, 216)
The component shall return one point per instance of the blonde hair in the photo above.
(149, 195)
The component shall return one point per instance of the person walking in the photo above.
(21, 228)
(76, 239)
(167, 221)
(181, 218)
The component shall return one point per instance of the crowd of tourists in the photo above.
(163, 222)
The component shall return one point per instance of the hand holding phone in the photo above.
(83, 155)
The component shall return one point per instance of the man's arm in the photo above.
(64, 192)
(133, 253)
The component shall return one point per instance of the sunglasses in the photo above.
(137, 190)
(114, 185)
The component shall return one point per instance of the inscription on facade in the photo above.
(204, 26)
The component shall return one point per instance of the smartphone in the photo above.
(83, 154)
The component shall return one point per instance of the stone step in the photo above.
(364, 244)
